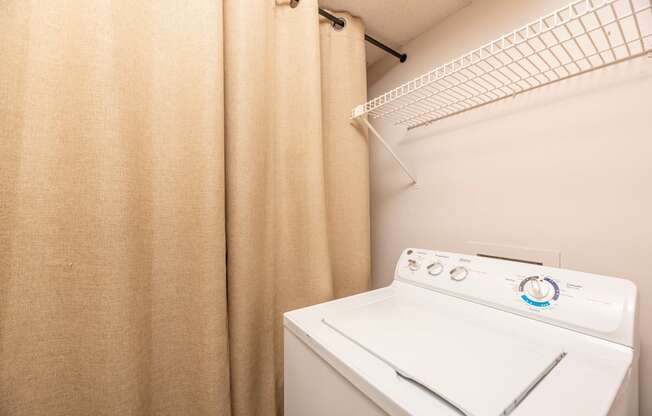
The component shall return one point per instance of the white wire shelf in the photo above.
(581, 37)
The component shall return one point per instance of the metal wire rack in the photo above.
(581, 37)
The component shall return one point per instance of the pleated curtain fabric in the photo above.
(112, 273)
(141, 141)
(297, 180)
(346, 155)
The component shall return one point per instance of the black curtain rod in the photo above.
(341, 23)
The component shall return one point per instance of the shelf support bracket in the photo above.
(388, 148)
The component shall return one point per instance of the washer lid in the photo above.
(482, 370)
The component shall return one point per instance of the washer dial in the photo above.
(413, 265)
(538, 291)
(459, 273)
(435, 269)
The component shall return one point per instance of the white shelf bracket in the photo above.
(371, 128)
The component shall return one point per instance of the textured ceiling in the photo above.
(395, 22)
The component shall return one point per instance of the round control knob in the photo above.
(459, 273)
(537, 289)
(435, 268)
(413, 265)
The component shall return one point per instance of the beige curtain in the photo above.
(112, 285)
(117, 171)
(297, 180)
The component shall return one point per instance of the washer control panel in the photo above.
(589, 303)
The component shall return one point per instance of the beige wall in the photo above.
(567, 167)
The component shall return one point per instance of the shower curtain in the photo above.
(142, 141)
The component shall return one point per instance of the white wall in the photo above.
(567, 167)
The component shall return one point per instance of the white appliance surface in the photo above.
(493, 342)
(478, 368)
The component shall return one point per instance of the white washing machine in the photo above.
(465, 335)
